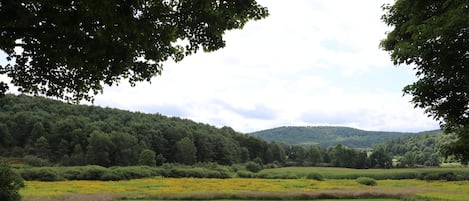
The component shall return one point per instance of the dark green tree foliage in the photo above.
(81, 135)
(10, 183)
(380, 159)
(433, 36)
(99, 149)
(42, 147)
(278, 153)
(314, 155)
(148, 158)
(421, 150)
(71, 48)
(186, 152)
(5, 137)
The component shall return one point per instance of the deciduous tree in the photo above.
(433, 37)
(69, 49)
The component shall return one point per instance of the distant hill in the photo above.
(330, 135)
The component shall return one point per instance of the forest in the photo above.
(45, 132)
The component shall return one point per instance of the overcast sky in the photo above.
(311, 62)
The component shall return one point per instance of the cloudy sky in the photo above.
(311, 62)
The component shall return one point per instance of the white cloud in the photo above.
(309, 63)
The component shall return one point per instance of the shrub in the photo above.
(10, 183)
(92, 172)
(71, 173)
(366, 181)
(111, 175)
(447, 176)
(315, 176)
(40, 174)
(253, 167)
(245, 174)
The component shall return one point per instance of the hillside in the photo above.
(326, 136)
(54, 132)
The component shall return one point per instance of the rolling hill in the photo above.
(329, 136)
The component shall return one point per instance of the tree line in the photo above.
(48, 132)
(421, 150)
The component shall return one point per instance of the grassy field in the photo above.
(338, 183)
(347, 173)
(209, 189)
(315, 200)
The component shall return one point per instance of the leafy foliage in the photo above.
(420, 150)
(10, 183)
(253, 167)
(69, 48)
(148, 158)
(433, 36)
(48, 131)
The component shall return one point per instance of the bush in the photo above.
(315, 176)
(253, 167)
(10, 183)
(72, 173)
(111, 175)
(447, 176)
(245, 174)
(366, 181)
(40, 174)
(92, 172)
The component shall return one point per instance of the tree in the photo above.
(379, 159)
(186, 152)
(72, 48)
(409, 159)
(147, 157)
(5, 137)
(42, 148)
(433, 36)
(314, 154)
(98, 150)
(10, 183)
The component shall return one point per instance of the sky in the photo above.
(310, 63)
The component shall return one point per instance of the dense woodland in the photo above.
(420, 150)
(69, 134)
(43, 132)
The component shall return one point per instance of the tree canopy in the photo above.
(70, 49)
(433, 37)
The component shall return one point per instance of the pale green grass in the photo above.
(293, 200)
(348, 173)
